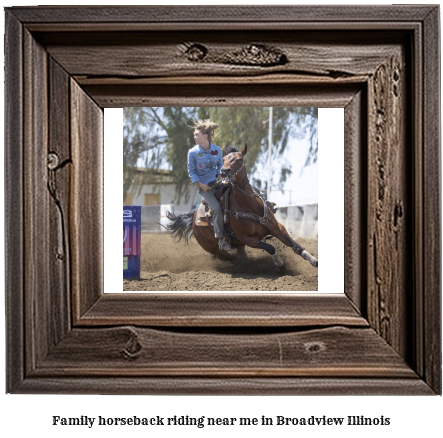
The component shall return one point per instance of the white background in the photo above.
(331, 200)
(31, 415)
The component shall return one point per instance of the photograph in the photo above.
(224, 198)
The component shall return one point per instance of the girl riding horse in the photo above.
(251, 218)
(204, 163)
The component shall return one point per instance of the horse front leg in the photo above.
(241, 251)
(281, 234)
(255, 242)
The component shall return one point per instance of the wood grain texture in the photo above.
(355, 190)
(388, 204)
(222, 14)
(418, 357)
(86, 200)
(37, 203)
(233, 94)
(59, 165)
(381, 63)
(14, 238)
(203, 53)
(226, 386)
(223, 310)
(130, 351)
(431, 316)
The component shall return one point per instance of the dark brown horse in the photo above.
(250, 221)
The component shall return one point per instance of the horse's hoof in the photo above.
(311, 259)
(281, 269)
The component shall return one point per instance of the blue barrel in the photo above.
(131, 241)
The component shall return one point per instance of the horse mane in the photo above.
(229, 150)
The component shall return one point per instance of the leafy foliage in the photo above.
(161, 137)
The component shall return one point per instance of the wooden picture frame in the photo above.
(65, 64)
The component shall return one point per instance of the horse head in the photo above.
(233, 163)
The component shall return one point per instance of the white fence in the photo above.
(153, 217)
(299, 220)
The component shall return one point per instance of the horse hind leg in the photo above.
(283, 236)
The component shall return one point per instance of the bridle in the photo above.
(235, 187)
(229, 179)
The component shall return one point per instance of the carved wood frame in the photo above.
(64, 65)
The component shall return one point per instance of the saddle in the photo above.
(204, 218)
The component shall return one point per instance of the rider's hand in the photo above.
(204, 187)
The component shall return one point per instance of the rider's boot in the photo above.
(226, 246)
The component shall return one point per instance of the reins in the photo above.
(236, 188)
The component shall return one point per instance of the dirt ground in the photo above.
(174, 266)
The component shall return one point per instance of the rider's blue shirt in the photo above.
(204, 166)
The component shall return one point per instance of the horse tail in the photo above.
(180, 227)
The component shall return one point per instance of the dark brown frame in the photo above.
(64, 65)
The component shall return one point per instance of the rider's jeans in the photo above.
(216, 213)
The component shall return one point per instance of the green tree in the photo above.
(240, 125)
(143, 140)
(160, 137)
